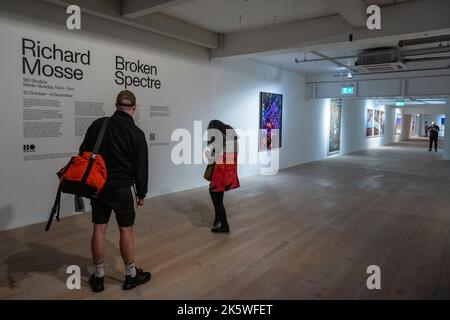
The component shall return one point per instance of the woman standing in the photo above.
(222, 154)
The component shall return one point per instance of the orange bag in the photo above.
(84, 175)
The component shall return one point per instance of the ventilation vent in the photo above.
(382, 67)
(379, 60)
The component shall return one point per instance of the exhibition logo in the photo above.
(29, 148)
(206, 146)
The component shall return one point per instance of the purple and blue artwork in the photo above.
(270, 120)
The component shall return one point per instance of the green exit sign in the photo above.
(347, 90)
(400, 103)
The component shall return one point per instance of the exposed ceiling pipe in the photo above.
(425, 51)
(426, 59)
(387, 72)
(426, 40)
(323, 59)
(405, 53)
(333, 61)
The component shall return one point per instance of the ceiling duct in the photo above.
(380, 60)
(426, 40)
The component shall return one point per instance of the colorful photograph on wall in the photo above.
(270, 121)
(398, 125)
(376, 123)
(334, 138)
(442, 124)
(369, 123)
(382, 122)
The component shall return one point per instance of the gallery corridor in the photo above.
(309, 232)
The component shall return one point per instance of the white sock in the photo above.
(130, 269)
(99, 270)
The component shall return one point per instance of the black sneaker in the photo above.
(221, 230)
(140, 278)
(97, 284)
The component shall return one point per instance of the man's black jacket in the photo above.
(124, 150)
(434, 132)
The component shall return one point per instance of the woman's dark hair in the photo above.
(222, 127)
(219, 125)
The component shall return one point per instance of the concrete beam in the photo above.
(353, 11)
(156, 23)
(403, 21)
(137, 8)
(41, 14)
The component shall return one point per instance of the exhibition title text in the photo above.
(36, 60)
(136, 74)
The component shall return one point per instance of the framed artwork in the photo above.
(270, 121)
(398, 125)
(369, 123)
(334, 136)
(382, 122)
(377, 123)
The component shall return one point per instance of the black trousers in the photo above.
(221, 215)
(435, 140)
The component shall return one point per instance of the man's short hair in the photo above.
(126, 98)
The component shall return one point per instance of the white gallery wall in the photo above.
(354, 116)
(193, 89)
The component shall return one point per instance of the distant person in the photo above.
(222, 155)
(434, 136)
(427, 128)
(124, 150)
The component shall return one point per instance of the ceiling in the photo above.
(227, 16)
(234, 16)
(295, 60)
(319, 27)
(414, 101)
(287, 61)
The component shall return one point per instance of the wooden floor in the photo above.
(309, 232)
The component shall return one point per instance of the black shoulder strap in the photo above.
(55, 209)
(98, 143)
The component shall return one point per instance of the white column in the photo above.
(406, 127)
(447, 132)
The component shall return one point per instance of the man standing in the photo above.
(124, 149)
(426, 129)
(434, 136)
